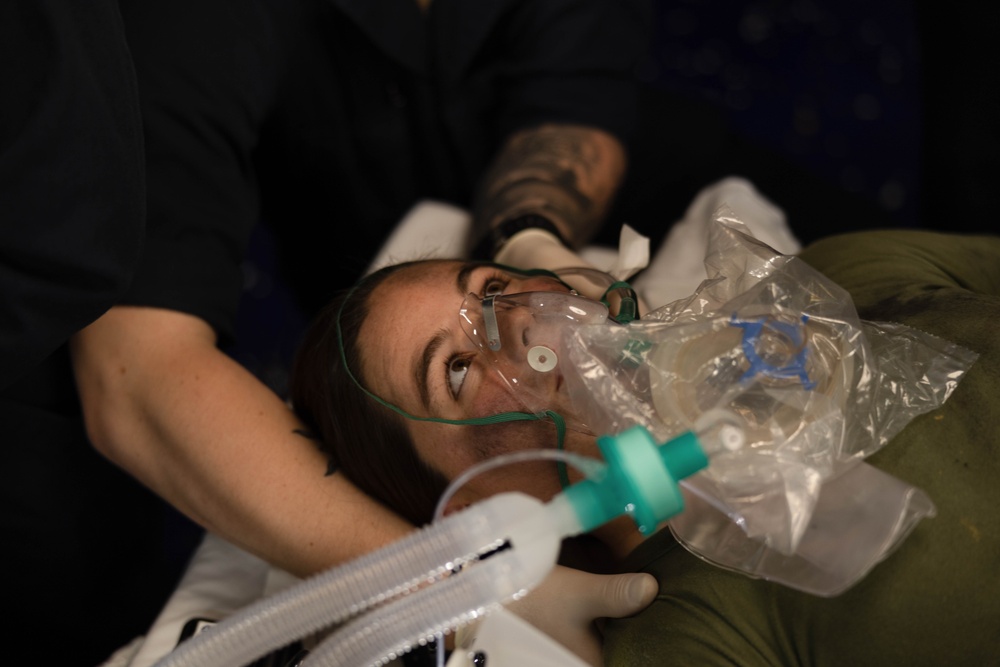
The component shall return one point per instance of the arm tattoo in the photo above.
(331, 465)
(567, 173)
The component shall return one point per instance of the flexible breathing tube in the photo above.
(452, 571)
(324, 600)
(531, 548)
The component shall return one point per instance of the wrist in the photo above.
(535, 248)
(492, 245)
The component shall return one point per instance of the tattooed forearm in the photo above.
(567, 173)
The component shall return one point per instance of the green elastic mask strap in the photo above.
(629, 308)
(477, 421)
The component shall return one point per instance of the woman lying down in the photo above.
(452, 342)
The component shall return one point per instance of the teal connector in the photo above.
(641, 479)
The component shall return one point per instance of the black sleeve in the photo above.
(71, 177)
(205, 71)
(575, 61)
(520, 63)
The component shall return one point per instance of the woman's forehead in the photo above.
(403, 311)
(424, 273)
(411, 288)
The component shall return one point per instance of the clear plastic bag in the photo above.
(777, 351)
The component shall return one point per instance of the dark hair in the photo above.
(364, 439)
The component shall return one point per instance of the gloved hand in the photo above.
(535, 248)
(568, 605)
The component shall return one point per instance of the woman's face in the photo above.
(416, 356)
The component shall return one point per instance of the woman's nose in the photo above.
(514, 324)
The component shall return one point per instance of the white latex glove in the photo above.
(535, 248)
(569, 604)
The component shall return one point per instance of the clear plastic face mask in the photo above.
(521, 338)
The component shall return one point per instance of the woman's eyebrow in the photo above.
(462, 279)
(423, 365)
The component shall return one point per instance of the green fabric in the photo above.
(936, 600)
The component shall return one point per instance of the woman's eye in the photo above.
(495, 286)
(458, 368)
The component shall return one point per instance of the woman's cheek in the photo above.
(495, 397)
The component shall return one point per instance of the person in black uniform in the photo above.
(83, 562)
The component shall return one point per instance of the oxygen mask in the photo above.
(520, 337)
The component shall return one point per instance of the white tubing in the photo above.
(390, 631)
(393, 629)
(341, 592)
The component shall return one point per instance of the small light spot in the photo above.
(755, 27)
(892, 194)
(852, 178)
(971, 527)
(867, 107)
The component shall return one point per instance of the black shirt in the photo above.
(83, 543)
(71, 179)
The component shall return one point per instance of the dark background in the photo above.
(847, 115)
(817, 103)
